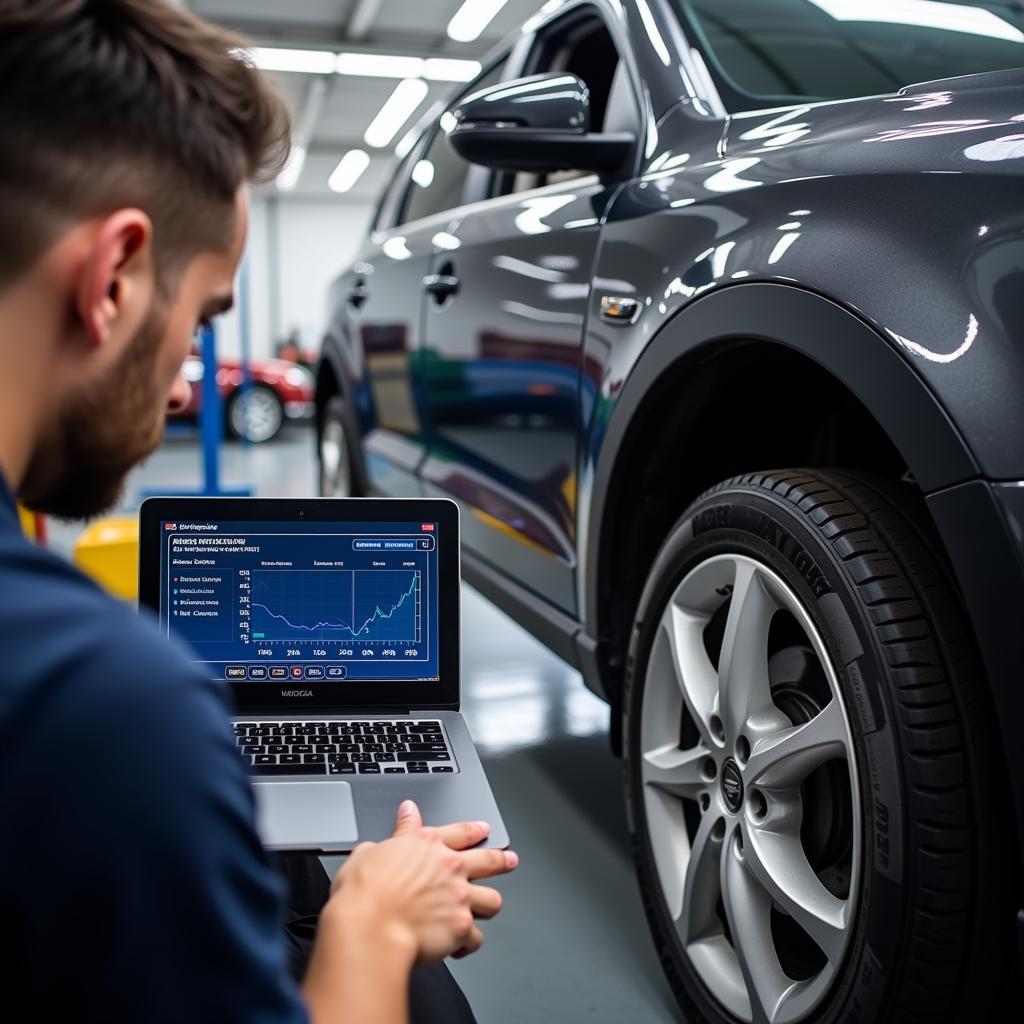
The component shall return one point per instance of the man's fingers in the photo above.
(471, 945)
(488, 863)
(484, 902)
(463, 834)
(409, 817)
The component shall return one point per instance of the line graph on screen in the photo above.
(336, 605)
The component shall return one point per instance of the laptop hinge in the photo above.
(309, 711)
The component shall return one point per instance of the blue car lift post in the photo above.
(211, 430)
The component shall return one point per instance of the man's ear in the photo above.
(116, 285)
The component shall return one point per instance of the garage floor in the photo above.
(571, 944)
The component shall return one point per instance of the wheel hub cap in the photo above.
(732, 785)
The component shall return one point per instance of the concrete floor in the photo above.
(571, 944)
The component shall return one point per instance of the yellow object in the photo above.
(28, 522)
(108, 551)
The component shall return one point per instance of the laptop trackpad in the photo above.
(305, 815)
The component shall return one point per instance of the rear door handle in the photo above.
(357, 295)
(441, 285)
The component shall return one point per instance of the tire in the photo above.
(334, 452)
(256, 414)
(841, 835)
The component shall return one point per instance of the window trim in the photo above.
(377, 226)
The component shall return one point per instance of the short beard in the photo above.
(103, 432)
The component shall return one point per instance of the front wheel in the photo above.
(810, 766)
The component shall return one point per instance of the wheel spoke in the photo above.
(701, 888)
(676, 771)
(778, 862)
(786, 758)
(748, 909)
(743, 665)
(695, 675)
(666, 830)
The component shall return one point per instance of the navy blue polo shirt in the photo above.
(132, 884)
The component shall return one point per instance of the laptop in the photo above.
(335, 623)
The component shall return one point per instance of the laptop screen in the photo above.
(303, 603)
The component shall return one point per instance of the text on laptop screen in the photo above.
(273, 601)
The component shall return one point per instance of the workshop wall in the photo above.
(296, 247)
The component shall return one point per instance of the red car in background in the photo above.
(279, 390)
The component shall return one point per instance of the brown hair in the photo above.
(112, 103)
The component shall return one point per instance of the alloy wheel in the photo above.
(750, 790)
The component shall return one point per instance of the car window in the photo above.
(439, 175)
(583, 47)
(771, 50)
(391, 200)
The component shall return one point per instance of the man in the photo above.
(132, 884)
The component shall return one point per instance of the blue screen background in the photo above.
(303, 602)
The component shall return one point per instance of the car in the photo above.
(278, 390)
(710, 315)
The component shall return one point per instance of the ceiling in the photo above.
(348, 103)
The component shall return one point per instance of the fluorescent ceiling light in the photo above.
(445, 69)
(289, 176)
(423, 173)
(366, 65)
(313, 62)
(976, 21)
(397, 109)
(350, 168)
(379, 65)
(472, 18)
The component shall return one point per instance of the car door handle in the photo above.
(357, 295)
(441, 285)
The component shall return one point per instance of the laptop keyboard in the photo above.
(345, 748)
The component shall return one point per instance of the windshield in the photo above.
(776, 51)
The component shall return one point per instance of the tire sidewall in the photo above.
(736, 520)
(336, 410)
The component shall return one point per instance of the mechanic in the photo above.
(132, 884)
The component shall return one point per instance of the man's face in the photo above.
(116, 419)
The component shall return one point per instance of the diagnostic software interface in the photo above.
(273, 601)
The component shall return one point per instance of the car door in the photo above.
(503, 336)
(385, 301)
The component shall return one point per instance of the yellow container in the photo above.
(108, 551)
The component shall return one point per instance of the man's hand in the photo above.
(484, 902)
(453, 845)
(408, 900)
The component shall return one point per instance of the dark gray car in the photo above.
(710, 314)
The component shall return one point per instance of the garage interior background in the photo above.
(358, 56)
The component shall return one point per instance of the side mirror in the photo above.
(540, 123)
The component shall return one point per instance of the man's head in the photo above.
(130, 129)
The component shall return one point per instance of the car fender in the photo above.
(851, 350)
